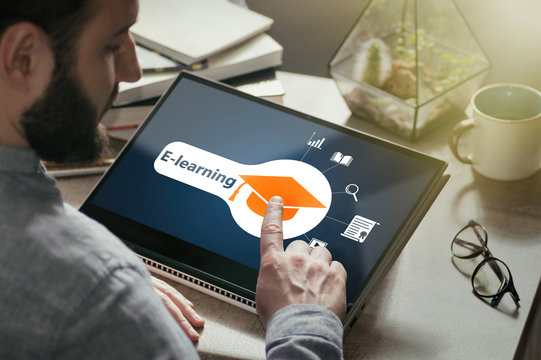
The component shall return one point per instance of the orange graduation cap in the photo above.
(294, 194)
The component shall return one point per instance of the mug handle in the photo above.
(457, 132)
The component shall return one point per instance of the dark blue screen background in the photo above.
(390, 182)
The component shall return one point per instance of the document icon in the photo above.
(359, 228)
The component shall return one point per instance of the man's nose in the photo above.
(127, 66)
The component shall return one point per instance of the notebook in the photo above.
(188, 191)
(213, 26)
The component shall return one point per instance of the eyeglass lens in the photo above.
(491, 277)
(471, 240)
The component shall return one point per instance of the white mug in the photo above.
(506, 132)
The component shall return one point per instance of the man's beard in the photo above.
(62, 126)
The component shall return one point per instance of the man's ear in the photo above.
(26, 58)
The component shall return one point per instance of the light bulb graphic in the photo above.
(246, 189)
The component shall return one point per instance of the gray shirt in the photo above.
(71, 290)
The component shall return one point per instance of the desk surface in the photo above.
(424, 308)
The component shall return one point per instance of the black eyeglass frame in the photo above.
(483, 250)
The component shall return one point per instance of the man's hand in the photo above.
(299, 275)
(181, 308)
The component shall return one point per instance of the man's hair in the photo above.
(62, 20)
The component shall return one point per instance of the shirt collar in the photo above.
(20, 160)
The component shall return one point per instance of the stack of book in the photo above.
(216, 39)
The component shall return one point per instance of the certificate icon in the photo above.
(359, 228)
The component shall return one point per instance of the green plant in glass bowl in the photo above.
(404, 76)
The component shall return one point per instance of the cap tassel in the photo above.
(232, 197)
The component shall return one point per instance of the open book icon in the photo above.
(341, 159)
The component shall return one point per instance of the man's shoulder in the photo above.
(87, 247)
(52, 266)
(63, 254)
(44, 239)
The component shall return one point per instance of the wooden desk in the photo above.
(425, 308)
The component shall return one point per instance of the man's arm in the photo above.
(299, 275)
(304, 332)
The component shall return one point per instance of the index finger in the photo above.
(272, 237)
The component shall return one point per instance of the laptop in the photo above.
(188, 191)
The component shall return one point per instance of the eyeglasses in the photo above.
(491, 278)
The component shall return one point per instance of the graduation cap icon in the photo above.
(294, 195)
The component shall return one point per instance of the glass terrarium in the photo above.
(409, 64)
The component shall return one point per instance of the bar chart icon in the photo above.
(315, 143)
(359, 228)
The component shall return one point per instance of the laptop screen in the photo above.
(191, 187)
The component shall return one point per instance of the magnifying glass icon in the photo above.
(352, 189)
